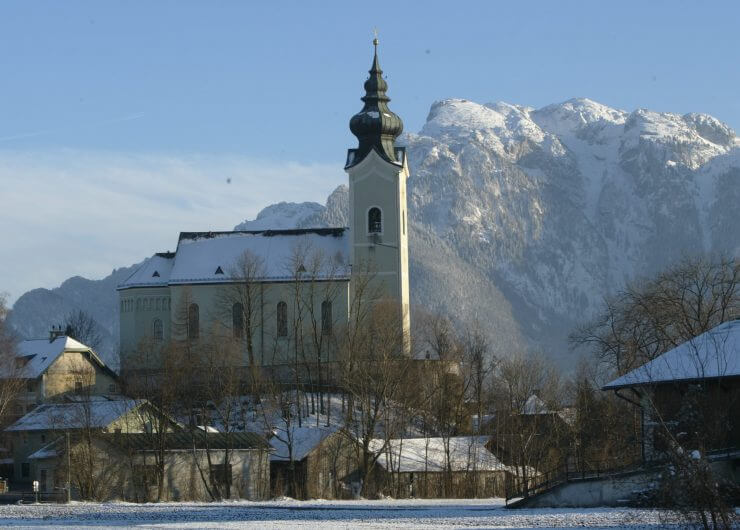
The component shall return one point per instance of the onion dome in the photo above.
(376, 126)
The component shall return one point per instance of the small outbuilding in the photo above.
(455, 467)
(312, 462)
(693, 388)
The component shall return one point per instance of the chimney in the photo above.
(56, 331)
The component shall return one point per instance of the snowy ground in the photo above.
(480, 513)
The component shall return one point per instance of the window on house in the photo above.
(237, 320)
(282, 319)
(326, 317)
(374, 221)
(31, 386)
(221, 474)
(112, 388)
(157, 331)
(193, 321)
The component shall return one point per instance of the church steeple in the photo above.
(375, 126)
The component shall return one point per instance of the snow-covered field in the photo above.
(479, 513)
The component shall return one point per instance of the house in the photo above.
(197, 466)
(287, 284)
(312, 463)
(531, 436)
(455, 467)
(692, 388)
(47, 422)
(55, 367)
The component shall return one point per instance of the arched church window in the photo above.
(193, 321)
(237, 320)
(157, 332)
(138, 304)
(374, 221)
(282, 319)
(326, 319)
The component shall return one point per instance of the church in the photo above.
(263, 289)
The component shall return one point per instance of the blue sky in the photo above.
(142, 110)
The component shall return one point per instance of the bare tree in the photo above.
(219, 382)
(650, 317)
(528, 428)
(242, 304)
(82, 327)
(315, 292)
(11, 372)
(375, 372)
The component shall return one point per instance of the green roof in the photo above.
(183, 440)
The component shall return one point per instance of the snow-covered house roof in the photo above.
(303, 440)
(37, 355)
(154, 272)
(212, 257)
(535, 405)
(411, 455)
(713, 354)
(67, 416)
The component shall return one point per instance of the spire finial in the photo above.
(376, 126)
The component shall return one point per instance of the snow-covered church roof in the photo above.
(713, 354)
(213, 257)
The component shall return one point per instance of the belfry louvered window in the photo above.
(374, 221)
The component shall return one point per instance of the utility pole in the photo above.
(69, 473)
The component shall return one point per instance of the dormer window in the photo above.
(219, 270)
(155, 274)
(374, 221)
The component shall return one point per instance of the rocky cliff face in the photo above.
(525, 218)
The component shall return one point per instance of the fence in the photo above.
(567, 472)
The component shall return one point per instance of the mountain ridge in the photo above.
(528, 217)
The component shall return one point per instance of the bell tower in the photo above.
(378, 171)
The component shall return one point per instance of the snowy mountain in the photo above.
(525, 218)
